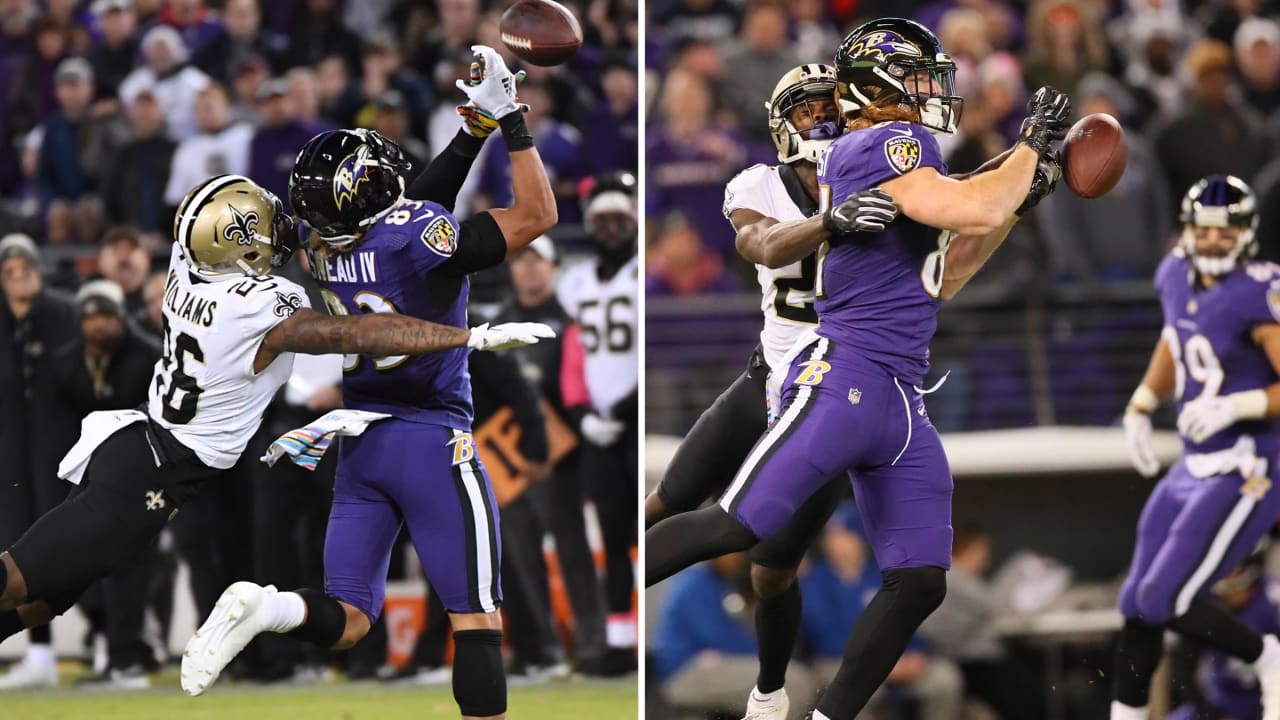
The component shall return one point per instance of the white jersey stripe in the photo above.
(480, 521)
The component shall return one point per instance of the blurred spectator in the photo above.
(837, 588)
(338, 98)
(113, 58)
(391, 120)
(560, 146)
(1216, 133)
(1151, 38)
(384, 70)
(1123, 234)
(174, 83)
(192, 19)
(1222, 19)
(32, 94)
(152, 325)
(688, 159)
(706, 20)
(811, 29)
(613, 127)
(1003, 94)
(678, 264)
(317, 33)
(35, 432)
(705, 645)
(275, 145)
(1257, 46)
(1066, 43)
(133, 192)
(963, 32)
(761, 55)
(304, 93)
(454, 34)
(239, 38)
(252, 73)
(124, 261)
(1004, 27)
(963, 630)
(77, 144)
(221, 148)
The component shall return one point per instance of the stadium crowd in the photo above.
(112, 110)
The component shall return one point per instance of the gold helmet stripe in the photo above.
(196, 200)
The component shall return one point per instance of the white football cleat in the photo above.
(236, 619)
(773, 706)
(27, 674)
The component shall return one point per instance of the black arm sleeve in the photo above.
(627, 409)
(443, 178)
(481, 245)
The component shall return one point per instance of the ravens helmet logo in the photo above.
(352, 171)
(883, 44)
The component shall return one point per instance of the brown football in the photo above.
(1094, 155)
(541, 32)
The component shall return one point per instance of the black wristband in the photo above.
(515, 132)
(466, 145)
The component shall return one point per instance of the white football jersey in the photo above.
(205, 391)
(788, 298)
(608, 315)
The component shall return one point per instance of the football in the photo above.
(541, 32)
(1094, 155)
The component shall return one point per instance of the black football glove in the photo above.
(866, 211)
(1049, 111)
(1048, 171)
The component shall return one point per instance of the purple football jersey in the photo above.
(390, 270)
(1229, 685)
(1209, 335)
(879, 292)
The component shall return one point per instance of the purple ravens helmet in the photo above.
(1221, 201)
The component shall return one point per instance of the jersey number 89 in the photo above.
(366, 301)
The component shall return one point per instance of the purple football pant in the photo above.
(843, 412)
(1192, 532)
(425, 476)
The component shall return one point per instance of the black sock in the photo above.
(777, 623)
(682, 540)
(1136, 660)
(326, 620)
(10, 624)
(41, 635)
(881, 635)
(479, 682)
(1219, 630)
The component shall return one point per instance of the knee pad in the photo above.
(919, 589)
(326, 620)
(479, 681)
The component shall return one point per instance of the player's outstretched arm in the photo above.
(766, 241)
(533, 212)
(1157, 385)
(313, 333)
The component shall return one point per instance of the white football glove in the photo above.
(1203, 417)
(507, 335)
(1137, 433)
(495, 93)
(601, 432)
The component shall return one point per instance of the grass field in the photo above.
(594, 699)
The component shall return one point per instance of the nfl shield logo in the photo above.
(903, 153)
(855, 396)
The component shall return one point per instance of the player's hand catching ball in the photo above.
(495, 91)
(866, 211)
(507, 335)
(1043, 183)
(1049, 111)
(1137, 434)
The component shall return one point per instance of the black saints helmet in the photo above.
(343, 181)
(894, 61)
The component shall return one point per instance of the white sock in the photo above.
(1270, 656)
(768, 698)
(817, 715)
(1120, 711)
(620, 630)
(41, 654)
(284, 611)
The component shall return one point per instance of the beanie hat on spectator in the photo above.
(100, 297)
(73, 69)
(102, 7)
(169, 36)
(1100, 84)
(1207, 56)
(545, 247)
(1255, 30)
(19, 245)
